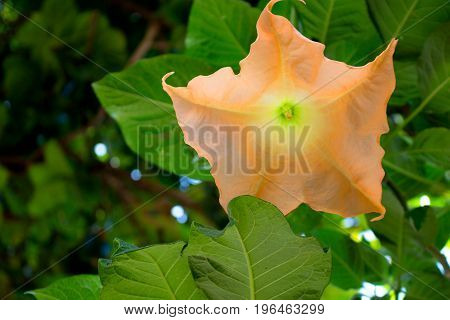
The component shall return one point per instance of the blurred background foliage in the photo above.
(69, 177)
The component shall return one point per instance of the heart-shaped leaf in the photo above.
(257, 256)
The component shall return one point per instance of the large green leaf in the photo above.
(344, 26)
(136, 100)
(157, 272)
(353, 263)
(409, 20)
(81, 287)
(419, 166)
(257, 256)
(434, 70)
(221, 31)
(407, 88)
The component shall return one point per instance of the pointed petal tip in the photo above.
(166, 77)
(380, 217)
(166, 87)
(271, 3)
(385, 56)
(393, 44)
(390, 49)
(382, 213)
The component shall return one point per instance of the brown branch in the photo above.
(146, 43)
(92, 32)
(162, 46)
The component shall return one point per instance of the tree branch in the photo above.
(146, 43)
(92, 32)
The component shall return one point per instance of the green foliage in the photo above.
(353, 263)
(136, 100)
(409, 20)
(57, 196)
(243, 260)
(221, 31)
(4, 175)
(428, 286)
(411, 247)
(239, 262)
(344, 27)
(82, 287)
(407, 90)
(51, 182)
(59, 193)
(398, 235)
(288, 9)
(434, 70)
(421, 164)
(157, 272)
(47, 33)
(443, 226)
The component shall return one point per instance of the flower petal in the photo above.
(353, 117)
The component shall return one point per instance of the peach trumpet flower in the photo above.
(338, 113)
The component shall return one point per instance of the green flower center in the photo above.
(289, 112)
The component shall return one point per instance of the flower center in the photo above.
(289, 112)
